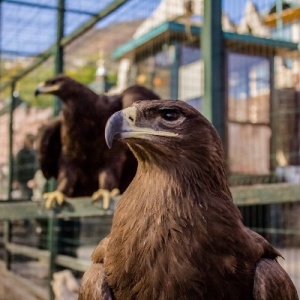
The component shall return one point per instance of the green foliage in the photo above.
(28, 84)
(85, 74)
(112, 78)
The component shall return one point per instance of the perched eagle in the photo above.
(176, 232)
(72, 147)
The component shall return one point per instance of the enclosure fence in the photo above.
(235, 61)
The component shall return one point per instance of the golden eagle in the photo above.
(72, 147)
(176, 232)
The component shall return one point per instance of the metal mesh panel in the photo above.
(110, 45)
(263, 109)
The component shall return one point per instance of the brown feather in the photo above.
(72, 149)
(176, 233)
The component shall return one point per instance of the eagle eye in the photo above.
(53, 81)
(170, 114)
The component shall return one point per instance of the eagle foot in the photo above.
(106, 195)
(53, 198)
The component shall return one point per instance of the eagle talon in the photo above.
(53, 198)
(106, 195)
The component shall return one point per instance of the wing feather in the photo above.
(271, 282)
(94, 284)
(49, 148)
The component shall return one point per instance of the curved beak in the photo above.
(43, 88)
(122, 125)
(37, 92)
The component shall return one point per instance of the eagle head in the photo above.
(52, 86)
(165, 130)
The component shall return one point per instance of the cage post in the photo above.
(175, 70)
(59, 49)
(7, 239)
(279, 23)
(274, 209)
(52, 247)
(10, 150)
(273, 115)
(213, 58)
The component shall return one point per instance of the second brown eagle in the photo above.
(72, 147)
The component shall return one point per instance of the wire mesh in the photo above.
(263, 109)
(157, 44)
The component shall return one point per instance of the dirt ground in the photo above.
(14, 289)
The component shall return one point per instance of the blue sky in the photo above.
(31, 30)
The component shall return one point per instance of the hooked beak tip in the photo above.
(36, 92)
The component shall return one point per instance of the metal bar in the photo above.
(92, 21)
(16, 53)
(51, 7)
(1, 20)
(83, 207)
(10, 150)
(52, 248)
(31, 252)
(79, 207)
(72, 263)
(59, 50)
(174, 82)
(6, 239)
(67, 40)
(279, 23)
(274, 118)
(59, 57)
(249, 122)
(274, 209)
(266, 194)
(214, 73)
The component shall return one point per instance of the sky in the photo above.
(30, 30)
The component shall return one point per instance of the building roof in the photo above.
(288, 15)
(174, 31)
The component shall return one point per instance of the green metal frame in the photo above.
(214, 45)
(44, 6)
(214, 72)
(279, 22)
(273, 116)
(163, 28)
(42, 57)
(7, 235)
(175, 72)
(179, 31)
(11, 132)
(59, 49)
(52, 247)
(24, 210)
(84, 207)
